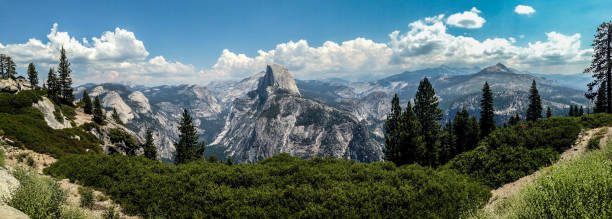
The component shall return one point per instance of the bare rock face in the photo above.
(8, 185)
(47, 108)
(277, 77)
(14, 86)
(277, 120)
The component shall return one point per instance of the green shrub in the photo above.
(37, 196)
(14, 103)
(58, 114)
(69, 212)
(29, 129)
(120, 136)
(110, 213)
(559, 133)
(495, 167)
(68, 111)
(21, 156)
(280, 186)
(2, 157)
(575, 189)
(594, 142)
(30, 162)
(87, 197)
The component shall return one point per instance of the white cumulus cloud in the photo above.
(112, 57)
(524, 9)
(468, 19)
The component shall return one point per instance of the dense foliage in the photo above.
(487, 112)
(534, 110)
(26, 126)
(281, 186)
(516, 151)
(601, 68)
(37, 196)
(576, 189)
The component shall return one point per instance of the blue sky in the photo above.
(191, 36)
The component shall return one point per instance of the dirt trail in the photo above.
(579, 148)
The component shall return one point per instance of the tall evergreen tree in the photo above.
(514, 119)
(601, 64)
(116, 117)
(427, 112)
(87, 106)
(52, 85)
(466, 131)
(571, 111)
(393, 128)
(581, 111)
(64, 77)
(548, 112)
(534, 110)
(487, 115)
(449, 141)
(601, 102)
(98, 114)
(3, 66)
(10, 66)
(413, 148)
(150, 150)
(187, 148)
(32, 75)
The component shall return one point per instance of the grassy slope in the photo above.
(579, 188)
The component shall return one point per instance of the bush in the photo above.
(14, 103)
(87, 197)
(559, 133)
(281, 186)
(30, 162)
(2, 157)
(575, 189)
(28, 129)
(110, 213)
(37, 196)
(120, 136)
(495, 167)
(69, 212)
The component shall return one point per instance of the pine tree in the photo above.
(571, 111)
(449, 141)
(10, 66)
(87, 106)
(427, 112)
(32, 75)
(466, 131)
(52, 85)
(581, 111)
(534, 110)
(601, 103)
(487, 114)
(150, 150)
(64, 77)
(3, 66)
(514, 120)
(187, 148)
(116, 117)
(412, 148)
(98, 114)
(601, 64)
(548, 112)
(393, 127)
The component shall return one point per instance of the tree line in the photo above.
(414, 134)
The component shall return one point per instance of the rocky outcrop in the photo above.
(12, 213)
(48, 108)
(276, 77)
(277, 120)
(14, 85)
(8, 185)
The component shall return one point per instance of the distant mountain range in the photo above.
(270, 113)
